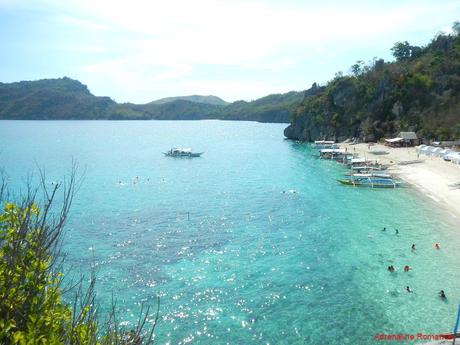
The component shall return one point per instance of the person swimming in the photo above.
(413, 247)
(407, 268)
(384, 229)
(391, 268)
(436, 246)
(396, 231)
(408, 289)
(442, 294)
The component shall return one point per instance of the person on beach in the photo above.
(407, 268)
(408, 289)
(413, 248)
(442, 294)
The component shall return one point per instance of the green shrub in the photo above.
(32, 310)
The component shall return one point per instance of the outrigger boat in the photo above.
(325, 144)
(334, 154)
(369, 174)
(182, 152)
(371, 182)
(366, 168)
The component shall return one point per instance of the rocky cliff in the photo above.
(418, 92)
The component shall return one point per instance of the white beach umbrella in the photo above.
(420, 147)
(434, 150)
(425, 150)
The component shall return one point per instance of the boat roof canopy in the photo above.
(394, 140)
(182, 149)
(324, 142)
(332, 151)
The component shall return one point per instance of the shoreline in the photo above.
(431, 177)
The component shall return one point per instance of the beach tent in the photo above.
(426, 150)
(420, 147)
(434, 151)
(453, 157)
(456, 159)
(445, 152)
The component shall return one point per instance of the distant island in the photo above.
(68, 99)
(419, 92)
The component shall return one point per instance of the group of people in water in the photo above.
(134, 181)
(391, 268)
(407, 268)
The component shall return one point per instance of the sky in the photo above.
(141, 50)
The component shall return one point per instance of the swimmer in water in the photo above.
(408, 289)
(413, 248)
(384, 229)
(407, 268)
(436, 246)
(396, 231)
(442, 294)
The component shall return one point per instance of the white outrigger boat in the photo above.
(182, 152)
(325, 144)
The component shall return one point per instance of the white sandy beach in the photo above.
(432, 177)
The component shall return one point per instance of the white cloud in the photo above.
(159, 42)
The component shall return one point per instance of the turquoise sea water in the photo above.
(234, 259)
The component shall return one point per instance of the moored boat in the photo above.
(182, 152)
(325, 144)
(369, 174)
(371, 182)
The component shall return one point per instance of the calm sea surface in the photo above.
(234, 259)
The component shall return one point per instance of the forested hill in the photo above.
(419, 91)
(195, 98)
(68, 99)
(51, 99)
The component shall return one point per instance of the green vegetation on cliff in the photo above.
(50, 99)
(419, 91)
(272, 108)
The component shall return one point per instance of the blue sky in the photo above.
(141, 50)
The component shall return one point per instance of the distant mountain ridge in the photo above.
(68, 99)
(214, 100)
